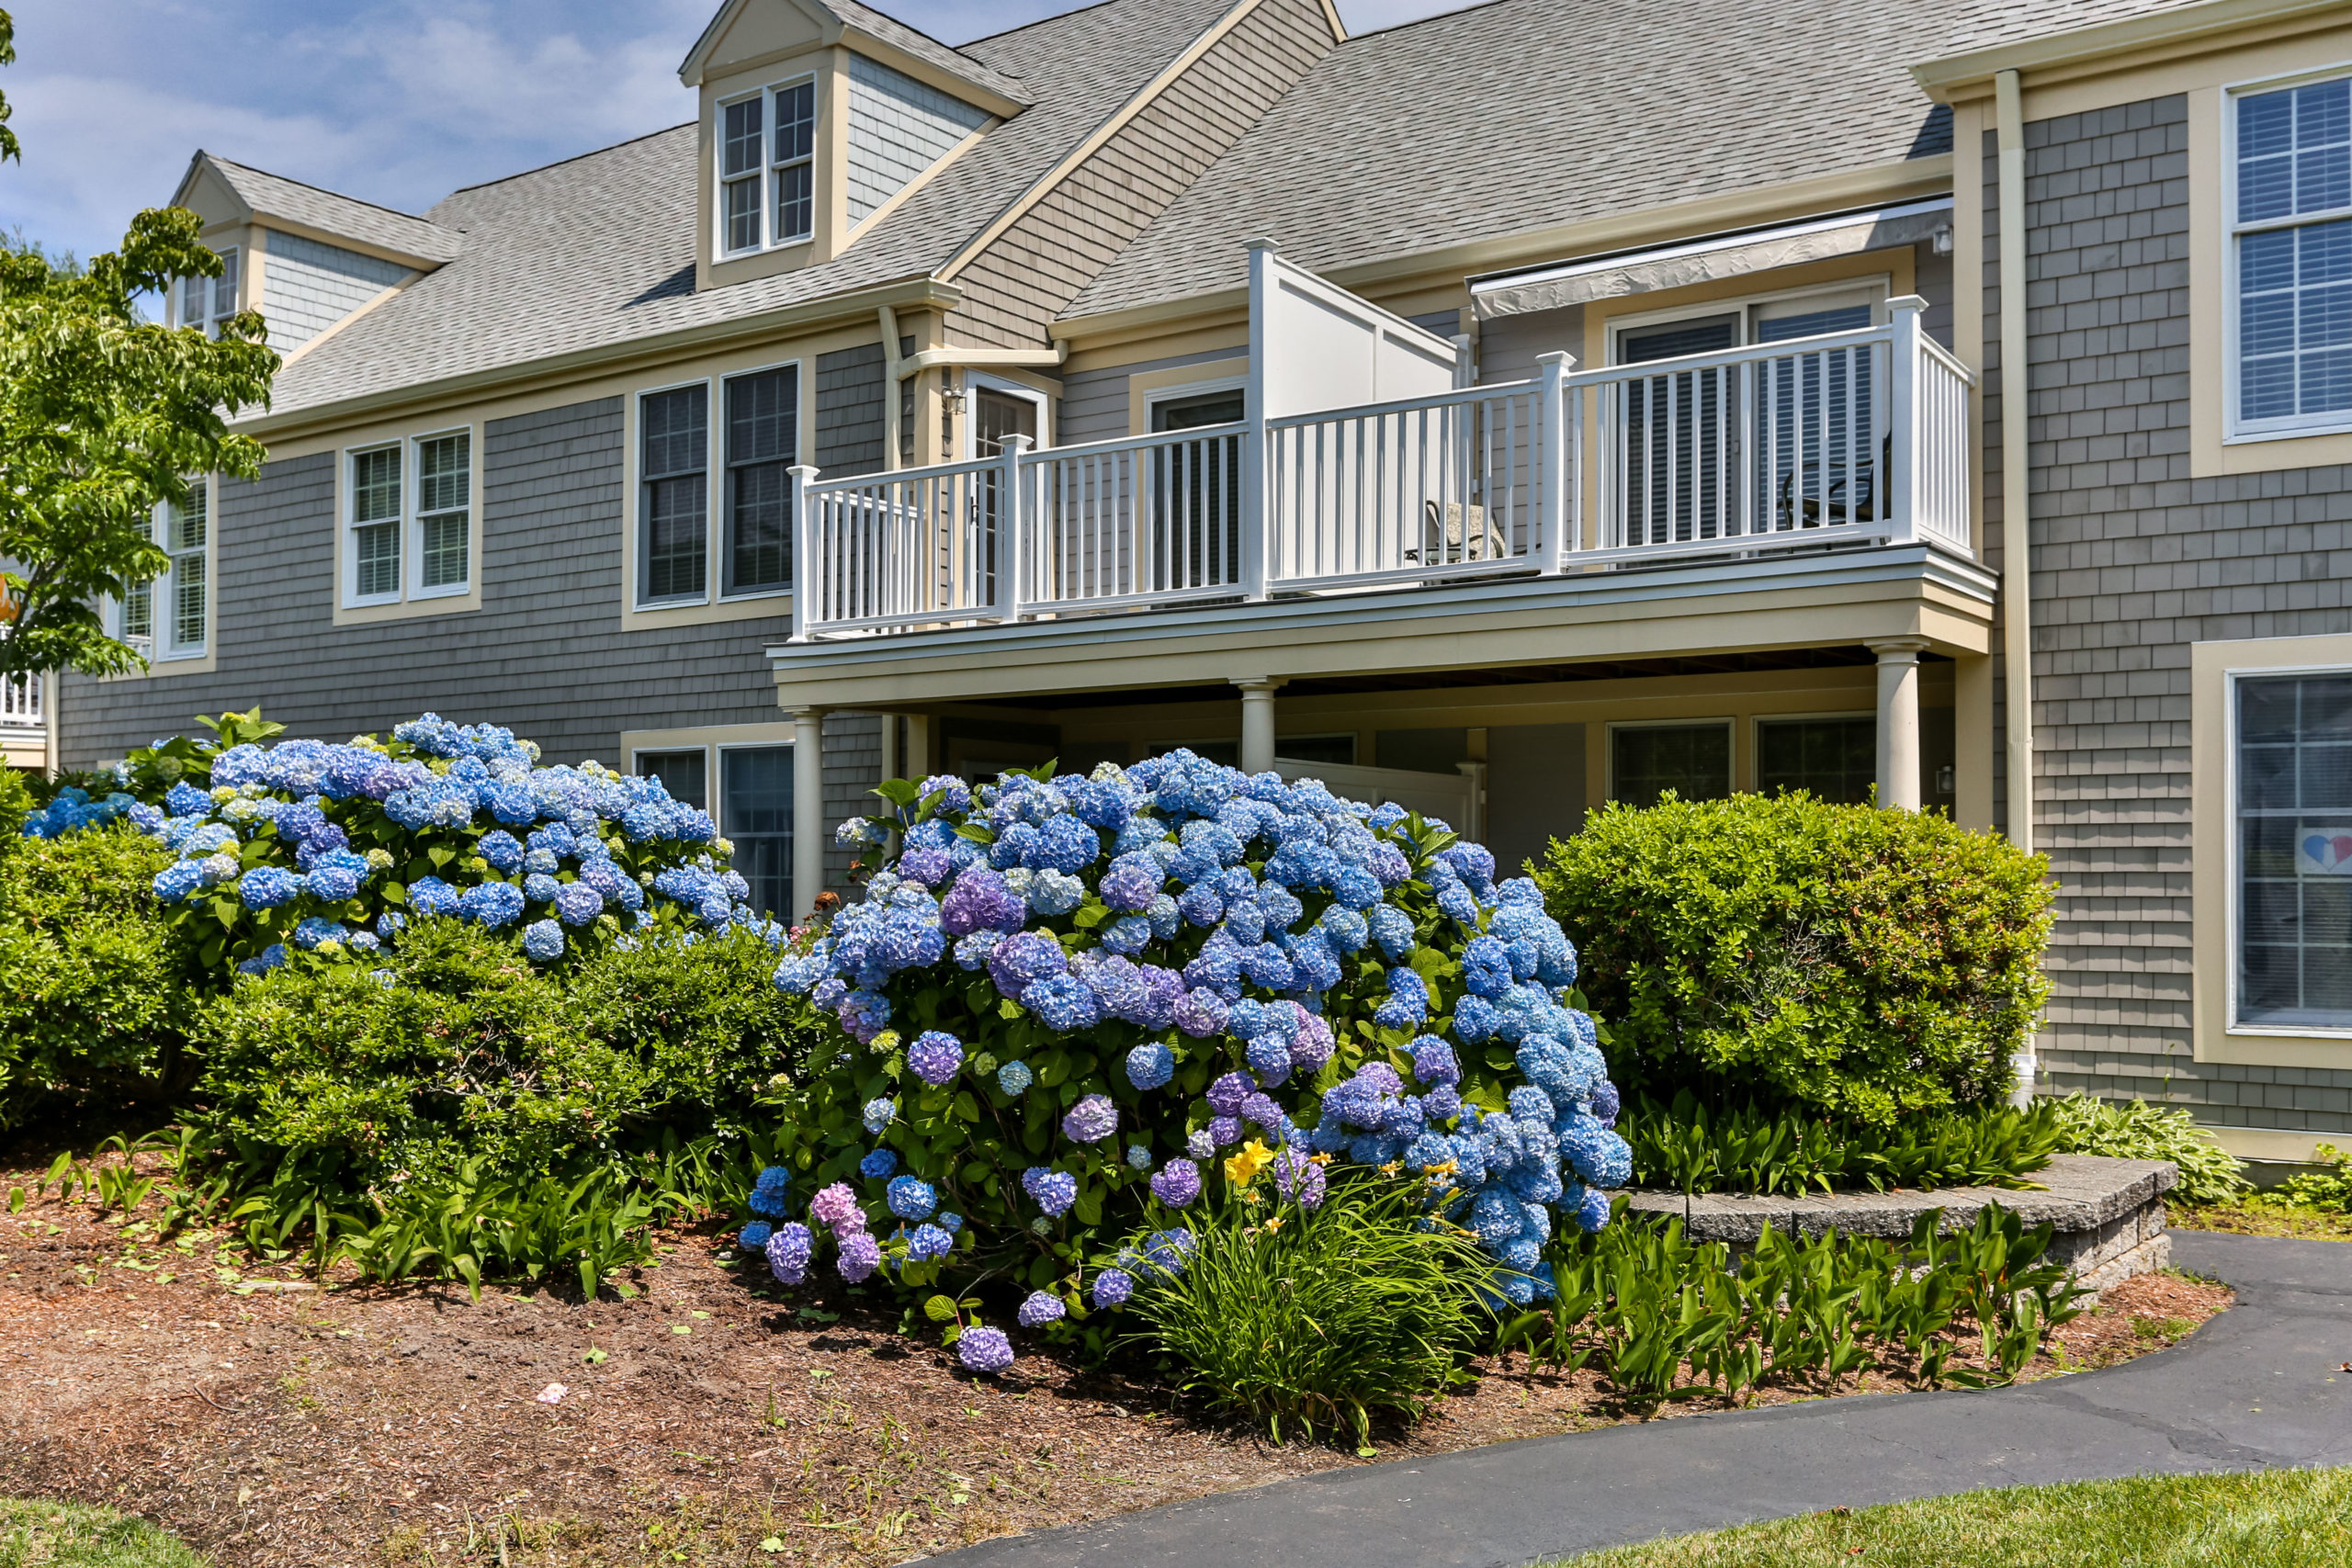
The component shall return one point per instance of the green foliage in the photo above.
(1689, 1148)
(2330, 1188)
(9, 147)
(1322, 1319)
(103, 415)
(98, 990)
(2271, 1519)
(41, 1533)
(1667, 1319)
(469, 1055)
(1803, 954)
(148, 772)
(2133, 1129)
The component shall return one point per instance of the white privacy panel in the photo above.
(1317, 347)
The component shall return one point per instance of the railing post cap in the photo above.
(1261, 243)
(1559, 357)
(1019, 443)
(1907, 302)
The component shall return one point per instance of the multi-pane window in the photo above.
(763, 420)
(2294, 851)
(411, 529)
(206, 303)
(2291, 224)
(169, 615)
(796, 167)
(1648, 760)
(375, 524)
(755, 789)
(674, 492)
(767, 146)
(443, 511)
(1833, 759)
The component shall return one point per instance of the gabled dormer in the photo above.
(308, 260)
(818, 117)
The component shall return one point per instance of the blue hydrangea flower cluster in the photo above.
(328, 847)
(1336, 982)
(74, 809)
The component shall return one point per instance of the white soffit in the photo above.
(1705, 261)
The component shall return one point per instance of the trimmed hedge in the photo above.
(1803, 954)
(98, 990)
(460, 1050)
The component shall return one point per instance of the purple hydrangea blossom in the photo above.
(1040, 1308)
(983, 1350)
(935, 1057)
(1177, 1183)
(1092, 1120)
(860, 1255)
(1052, 1190)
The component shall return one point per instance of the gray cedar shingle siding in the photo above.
(308, 286)
(848, 426)
(544, 656)
(898, 127)
(2133, 561)
(1039, 265)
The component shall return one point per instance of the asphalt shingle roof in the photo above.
(1525, 114)
(323, 209)
(599, 249)
(922, 46)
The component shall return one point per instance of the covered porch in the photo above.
(1508, 706)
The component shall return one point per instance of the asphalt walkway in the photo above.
(2259, 1386)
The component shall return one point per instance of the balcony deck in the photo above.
(1793, 476)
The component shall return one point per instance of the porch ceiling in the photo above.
(1800, 609)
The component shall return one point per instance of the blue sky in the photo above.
(394, 101)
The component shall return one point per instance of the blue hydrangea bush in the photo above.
(310, 847)
(1066, 1009)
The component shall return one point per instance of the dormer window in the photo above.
(206, 303)
(767, 145)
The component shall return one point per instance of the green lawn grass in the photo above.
(69, 1535)
(2280, 1518)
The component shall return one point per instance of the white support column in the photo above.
(1898, 721)
(891, 745)
(1903, 417)
(808, 810)
(1257, 722)
(1254, 481)
(806, 613)
(1554, 507)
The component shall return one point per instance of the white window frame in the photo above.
(232, 273)
(2234, 428)
(161, 643)
(1880, 286)
(713, 459)
(1188, 392)
(977, 380)
(2232, 903)
(407, 522)
(770, 168)
(802, 423)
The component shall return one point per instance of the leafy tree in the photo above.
(103, 415)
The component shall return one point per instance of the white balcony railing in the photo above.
(20, 703)
(1850, 438)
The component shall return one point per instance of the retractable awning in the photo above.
(1703, 261)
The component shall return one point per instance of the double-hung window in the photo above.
(2290, 259)
(674, 493)
(737, 529)
(767, 183)
(170, 616)
(205, 302)
(409, 531)
(2292, 799)
(762, 419)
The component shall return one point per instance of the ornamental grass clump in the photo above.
(1066, 1003)
(1321, 1317)
(330, 849)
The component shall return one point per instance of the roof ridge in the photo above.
(1008, 32)
(575, 158)
(323, 190)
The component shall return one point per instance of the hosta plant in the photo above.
(1068, 1009)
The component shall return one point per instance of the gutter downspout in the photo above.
(891, 377)
(2017, 567)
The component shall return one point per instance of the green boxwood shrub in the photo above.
(98, 990)
(459, 1052)
(1817, 957)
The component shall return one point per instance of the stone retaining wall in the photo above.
(2107, 1216)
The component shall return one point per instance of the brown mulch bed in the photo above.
(367, 1425)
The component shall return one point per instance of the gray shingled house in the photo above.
(1525, 407)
